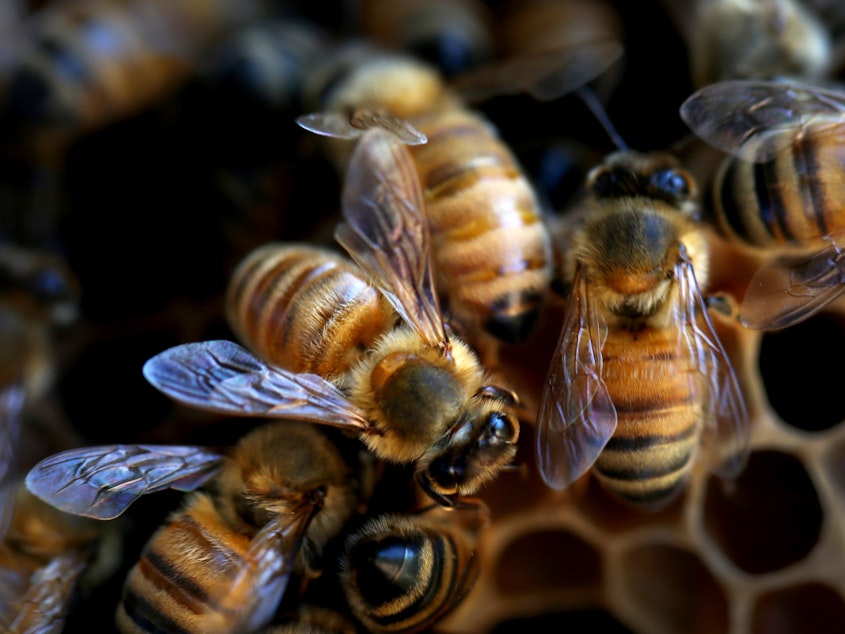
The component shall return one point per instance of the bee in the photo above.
(778, 189)
(405, 572)
(222, 562)
(43, 555)
(454, 36)
(87, 64)
(490, 245)
(312, 619)
(418, 396)
(639, 376)
(276, 291)
(754, 39)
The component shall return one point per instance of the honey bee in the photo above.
(221, 562)
(405, 572)
(312, 619)
(418, 396)
(753, 39)
(275, 293)
(639, 376)
(778, 191)
(490, 246)
(42, 558)
(84, 65)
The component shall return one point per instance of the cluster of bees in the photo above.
(370, 352)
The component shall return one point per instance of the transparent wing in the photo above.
(386, 231)
(726, 425)
(264, 571)
(101, 482)
(545, 75)
(755, 120)
(224, 377)
(787, 290)
(342, 126)
(12, 399)
(576, 417)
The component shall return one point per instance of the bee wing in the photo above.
(386, 231)
(545, 75)
(263, 573)
(726, 427)
(787, 290)
(341, 126)
(755, 120)
(224, 377)
(576, 417)
(43, 606)
(101, 482)
(12, 399)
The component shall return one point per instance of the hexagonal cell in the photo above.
(801, 388)
(544, 561)
(812, 607)
(769, 517)
(675, 589)
(574, 621)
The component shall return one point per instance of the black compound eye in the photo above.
(446, 474)
(671, 181)
(605, 183)
(501, 427)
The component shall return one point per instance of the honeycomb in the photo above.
(153, 211)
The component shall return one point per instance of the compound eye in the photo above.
(446, 474)
(502, 428)
(672, 182)
(605, 182)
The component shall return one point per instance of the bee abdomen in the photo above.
(305, 309)
(165, 593)
(491, 249)
(788, 200)
(404, 581)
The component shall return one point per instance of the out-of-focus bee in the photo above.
(455, 36)
(405, 572)
(87, 63)
(222, 562)
(312, 619)
(779, 191)
(753, 39)
(42, 557)
(38, 293)
(418, 396)
(639, 377)
(490, 247)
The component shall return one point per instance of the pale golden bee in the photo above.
(490, 246)
(780, 191)
(639, 377)
(405, 572)
(418, 395)
(222, 562)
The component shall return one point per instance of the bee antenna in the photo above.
(589, 98)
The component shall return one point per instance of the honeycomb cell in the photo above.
(812, 607)
(799, 385)
(769, 518)
(574, 621)
(545, 561)
(675, 588)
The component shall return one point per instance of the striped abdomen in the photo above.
(305, 309)
(403, 575)
(186, 568)
(790, 200)
(658, 416)
(490, 247)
